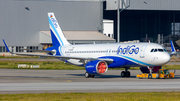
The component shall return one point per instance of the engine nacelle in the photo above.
(96, 67)
(154, 70)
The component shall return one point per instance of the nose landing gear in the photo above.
(150, 74)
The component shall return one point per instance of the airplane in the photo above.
(97, 58)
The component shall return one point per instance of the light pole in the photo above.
(118, 16)
(118, 21)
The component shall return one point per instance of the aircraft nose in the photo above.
(166, 58)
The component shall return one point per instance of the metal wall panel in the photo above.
(146, 4)
(21, 21)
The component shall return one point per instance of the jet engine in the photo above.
(147, 70)
(96, 67)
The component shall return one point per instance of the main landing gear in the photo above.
(126, 73)
(87, 75)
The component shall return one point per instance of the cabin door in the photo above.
(142, 51)
(108, 52)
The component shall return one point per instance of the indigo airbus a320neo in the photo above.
(97, 58)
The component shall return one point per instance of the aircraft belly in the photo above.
(75, 62)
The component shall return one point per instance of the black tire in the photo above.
(128, 74)
(87, 75)
(150, 76)
(123, 74)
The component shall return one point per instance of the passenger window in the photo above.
(152, 50)
(155, 50)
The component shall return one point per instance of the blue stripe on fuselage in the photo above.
(125, 61)
(135, 61)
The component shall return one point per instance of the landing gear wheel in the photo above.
(123, 74)
(128, 74)
(150, 76)
(87, 75)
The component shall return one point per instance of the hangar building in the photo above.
(24, 23)
(145, 17)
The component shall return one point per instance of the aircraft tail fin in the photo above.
(57, 35)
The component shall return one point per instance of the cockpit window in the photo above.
(165, 50)
(160, 50)
(155, 50)
(152, 50)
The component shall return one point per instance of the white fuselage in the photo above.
(137, 53)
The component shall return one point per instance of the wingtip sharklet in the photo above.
(6, 46)
(173, 48)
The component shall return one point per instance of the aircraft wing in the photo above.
(83, 59)
(67, 57)
(45, 51)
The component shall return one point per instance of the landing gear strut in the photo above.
(150, 74)
(87, 75)
(125, 73)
